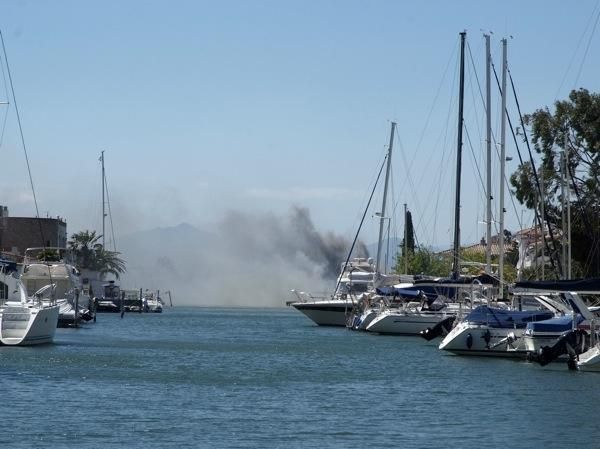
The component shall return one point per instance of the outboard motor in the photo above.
(440, 329)
(571, 343)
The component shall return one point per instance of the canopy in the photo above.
(502, 318)
(568, 285)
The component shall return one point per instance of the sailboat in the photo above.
(441, 297)
(357, 277)
(488, 330)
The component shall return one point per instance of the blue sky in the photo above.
(203, 107)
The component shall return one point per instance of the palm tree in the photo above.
(90, 254)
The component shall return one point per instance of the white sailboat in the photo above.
(413, 318)
(356, 277)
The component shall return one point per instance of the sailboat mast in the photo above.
(488, 102)
(385, 187)
(502, 166)
(456, 259)
(103, 203)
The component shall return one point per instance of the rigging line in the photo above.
(576, 50)
(360, 226)
(586, 50)
(471, 86)
(37, 212)
(112, 229)
(437, 94)
(408, 177)
(7, 105)
(429, 115)
(595, 242)
(372, 182)
(556, 267)
(443, 142)
(474, 160)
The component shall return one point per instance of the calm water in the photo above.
(268, 378)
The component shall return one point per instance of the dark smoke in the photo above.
(249, 259)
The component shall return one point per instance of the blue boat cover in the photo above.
(556, 325)
(502, 318)
(568, 285)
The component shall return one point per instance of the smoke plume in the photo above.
(248, 259)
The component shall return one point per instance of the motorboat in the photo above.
(28, 321)
(24, 320)
(48, 266)
(356, 278)
(152, 303)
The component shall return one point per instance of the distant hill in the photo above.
(245, 260)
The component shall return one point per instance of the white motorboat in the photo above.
(28, 325)
(152, 303)
(355, 278)
(28, 322)
(24, 320)
(67, 291)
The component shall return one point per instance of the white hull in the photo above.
(533, 343)
(476, 339)
(362, 322)
(327, 312)
(28, 325)
(405, 322)
(589, 360)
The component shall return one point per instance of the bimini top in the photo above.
(502, 318)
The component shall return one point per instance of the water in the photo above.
(269, 378)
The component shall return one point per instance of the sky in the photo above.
(203, 108)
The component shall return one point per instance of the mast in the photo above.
(542, 227)
(103, 203)
(488, 102)
(502, 167)
(405, 240)
(456, 261)
(568, 182)
(563, 215)
(385, 187)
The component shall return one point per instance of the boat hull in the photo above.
(404, 323)
(325, 313)
(474, 339)
(38, 328)
(589, 360)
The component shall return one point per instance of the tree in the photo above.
(573, 127)
(424, 261)
(90, 254)
(409, 235)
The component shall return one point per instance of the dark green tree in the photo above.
(424, 261)
(90, 254)
(573, 127)
(410, 235)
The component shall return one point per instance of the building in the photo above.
(19, 233)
